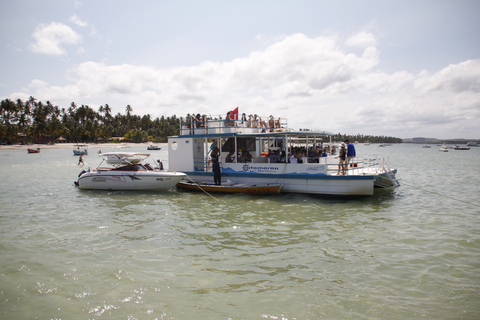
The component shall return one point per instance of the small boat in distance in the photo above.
(80, 149)
(230, 187)
(473, 144)
(30, 150)
(457, 147)
(153, 147)
(125, 175)
(426, 146)
(443, 148)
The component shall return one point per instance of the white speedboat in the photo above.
(127, 175)
(443, 148)
(189, 152)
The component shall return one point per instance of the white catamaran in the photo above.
(252, 151)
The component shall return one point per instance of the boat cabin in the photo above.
(241, 142)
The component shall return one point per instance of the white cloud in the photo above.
(314, 82)
(49, 39)
(362, 39)
(76, 20)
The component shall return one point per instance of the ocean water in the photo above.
(410, 253)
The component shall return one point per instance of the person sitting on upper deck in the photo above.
(244, 117)
(277, 124)
(230, 157)
(245, 157)
(255, 122)
(199, 121)
(229, 121)
(271, 123)
(263, 124)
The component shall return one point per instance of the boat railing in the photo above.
(217, 125)
(369, 164)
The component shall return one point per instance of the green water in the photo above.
(411, 253)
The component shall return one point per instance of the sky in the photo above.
(398, 68)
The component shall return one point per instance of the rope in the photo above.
(202, 189)
(441, 194)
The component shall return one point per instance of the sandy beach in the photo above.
(73, 145)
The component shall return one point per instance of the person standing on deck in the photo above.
(217, 172)
(350, 151)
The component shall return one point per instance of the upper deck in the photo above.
(217, 126)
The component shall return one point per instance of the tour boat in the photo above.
(190, 151)
(125, 175)
(457, 147)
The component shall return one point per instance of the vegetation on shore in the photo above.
(36, 122)
(33, 121)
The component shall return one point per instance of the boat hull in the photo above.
(232, 188)
(308, 184)
(110, 180)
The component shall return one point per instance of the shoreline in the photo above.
(73, 145)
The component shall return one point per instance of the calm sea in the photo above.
(411, 253)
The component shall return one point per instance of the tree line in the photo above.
(33, 121)
(362, 138)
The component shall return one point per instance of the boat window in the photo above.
(174, 145)
(242, 144)
(135, 167)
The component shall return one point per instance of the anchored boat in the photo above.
(123, 174)
(80, 149)
(253, 152)
(230, 187)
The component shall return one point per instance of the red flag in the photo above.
(234, 114)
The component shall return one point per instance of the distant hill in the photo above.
(437, 141)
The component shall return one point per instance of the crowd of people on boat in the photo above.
(294, 155)
(254, 121)
(251, 121)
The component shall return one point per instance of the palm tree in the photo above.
(128, 110)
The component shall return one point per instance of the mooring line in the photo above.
(202, 189)
(442, 195)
